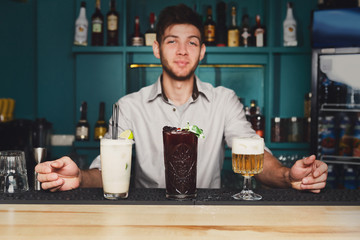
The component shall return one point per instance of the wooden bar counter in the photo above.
(92, 217)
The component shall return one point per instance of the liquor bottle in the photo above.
(150, 34)
(112, 25)
(100, 126)
(233, 32)
(307, 105)
(252, 107)
(276, 130)
(82, 127)
(209, 29)
(221, 29)
(81, 27)
(97, 21)
(137, 39)
(245, 32)
(356, 138)
(259, 33)
(247, 113)
(258, 123)
(289, 26)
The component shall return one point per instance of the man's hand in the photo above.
(62, 174)
(308, 174)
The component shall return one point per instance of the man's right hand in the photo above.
(59, 175)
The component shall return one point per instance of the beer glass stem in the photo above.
(247, 183)
(247, 193)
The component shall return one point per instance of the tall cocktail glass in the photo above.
(180, 158)
(115, 156)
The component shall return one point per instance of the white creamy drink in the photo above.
(115, 156)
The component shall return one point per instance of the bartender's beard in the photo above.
(167, 68)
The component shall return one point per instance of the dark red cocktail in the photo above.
(180, 156)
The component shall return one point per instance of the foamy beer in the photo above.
(248, 155)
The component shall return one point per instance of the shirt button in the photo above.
(174, 109)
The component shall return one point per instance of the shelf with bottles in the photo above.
(271, 15)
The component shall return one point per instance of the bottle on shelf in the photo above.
(279, 130)
(247, 113)
(339, 93)
(221, 29)
(307, 105)
(245, 34)
(295, 130)
(290, 27)
(97, 22)
(100, 127)
(112, 18)
(356, 138)
(258, 122)
(137, 39)
(325, 90)
(209, 29)
(259, 33)
(150, 34)
(252, 107)
(345, 136)
(233, 32)
(81, 27)
(82, 127)
(327, 135)
(256, 119)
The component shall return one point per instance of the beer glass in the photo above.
(248, 160)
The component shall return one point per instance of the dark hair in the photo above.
(180, 14)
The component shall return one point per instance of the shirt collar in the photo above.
(199, 89)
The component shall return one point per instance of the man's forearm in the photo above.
(90, 178)
(274, 174)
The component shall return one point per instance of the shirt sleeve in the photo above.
(236, 124)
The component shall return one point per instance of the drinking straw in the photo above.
(116, 121)
(113, 130)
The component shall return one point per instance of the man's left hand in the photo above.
(308, 174)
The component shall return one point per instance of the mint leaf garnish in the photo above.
(194, 129)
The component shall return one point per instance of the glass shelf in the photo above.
(327, 107)
(340, 159)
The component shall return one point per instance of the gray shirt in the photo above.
(216, 110)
